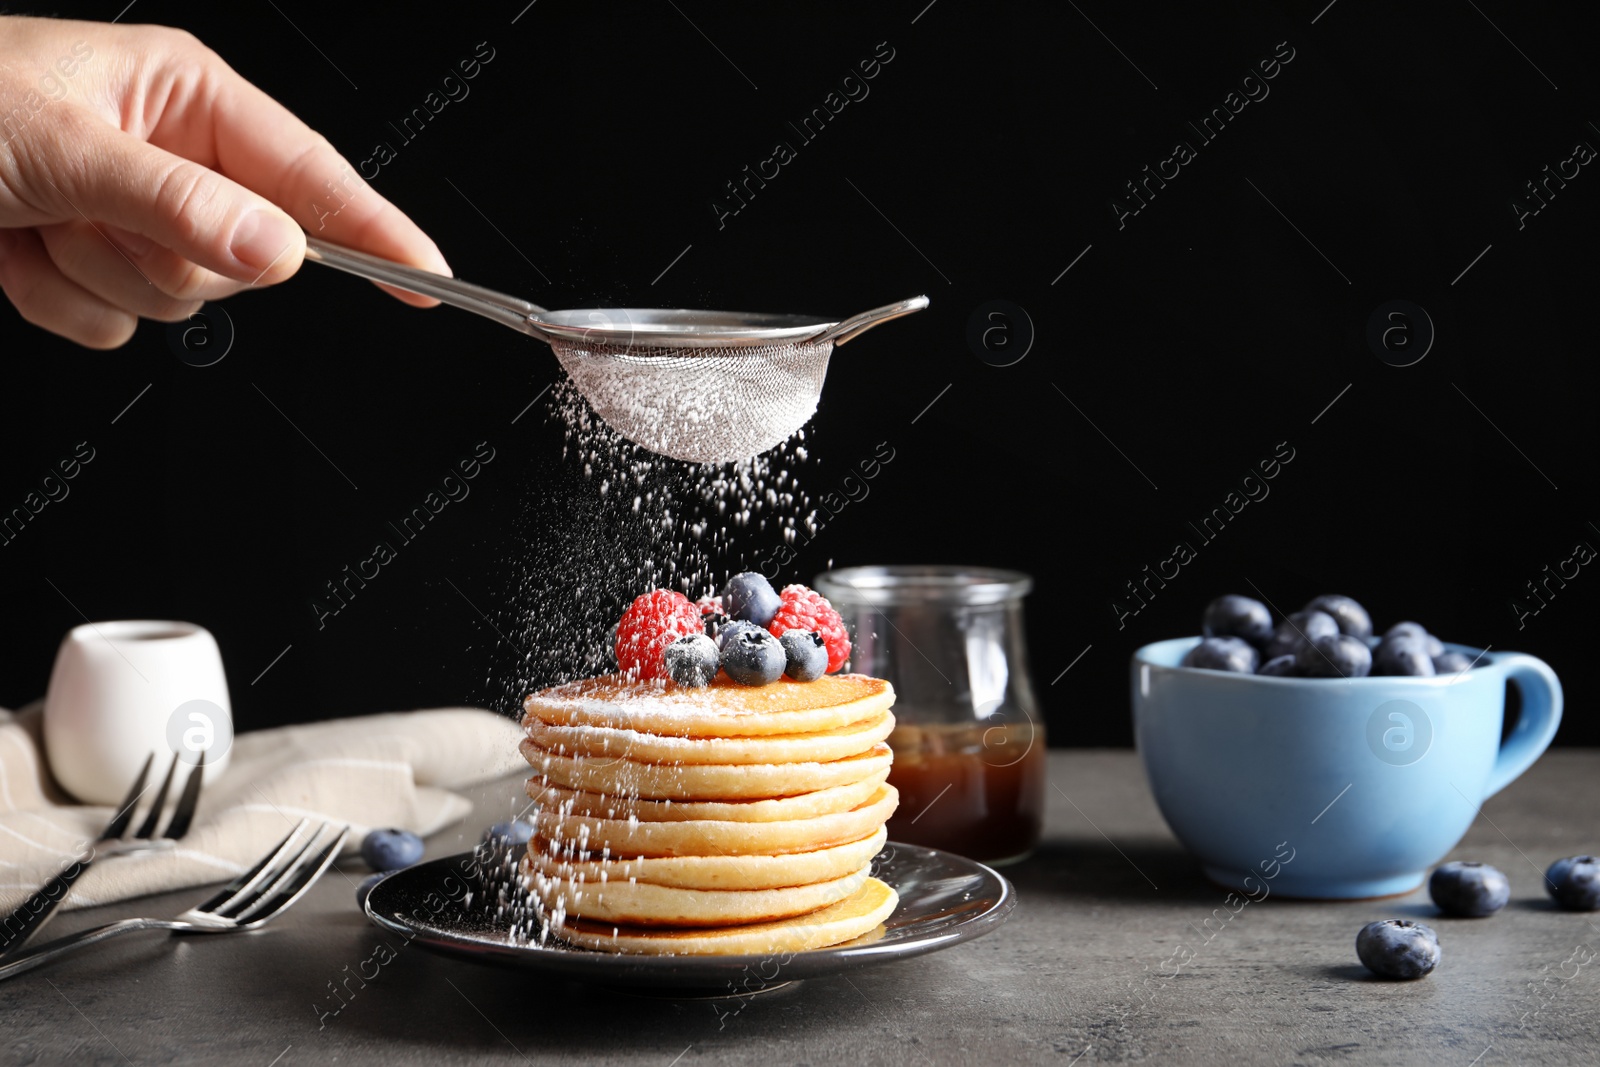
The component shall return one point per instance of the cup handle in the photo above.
(1541, 714)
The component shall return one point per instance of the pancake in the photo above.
(779, 809)
(710, 872)
(711, 820)
(712, 837)
(722, 709)
(710, 781)
(606, 742)
(846, 920)
(643, 904)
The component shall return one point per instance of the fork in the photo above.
(37, 909)
(251, 900)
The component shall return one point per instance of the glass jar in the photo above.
(969, 745)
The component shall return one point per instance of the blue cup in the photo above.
(1364, 783)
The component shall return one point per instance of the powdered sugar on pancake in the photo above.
(721, 710)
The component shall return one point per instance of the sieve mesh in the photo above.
(703, 405)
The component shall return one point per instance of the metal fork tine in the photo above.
(34, 912)
(282, 895)
(240, 910)
(184, 813)
(268, 883)
(260, 872)
(119, 823)
(147, 829)
(287, 887)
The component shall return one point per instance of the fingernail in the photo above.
(261, 240)
(135, 244)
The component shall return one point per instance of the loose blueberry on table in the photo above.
(1574, 883)
(1398, 948)
(390, 850)
(1469, 890)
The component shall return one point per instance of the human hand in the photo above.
(141, 176)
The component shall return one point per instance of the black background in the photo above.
(1197, 337)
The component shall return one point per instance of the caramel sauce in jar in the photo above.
(971, 789)
(968, 739)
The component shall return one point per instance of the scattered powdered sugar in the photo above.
(625, 521)
(654, 700)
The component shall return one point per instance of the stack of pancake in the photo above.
(715, 820)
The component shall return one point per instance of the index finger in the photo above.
(263, 146)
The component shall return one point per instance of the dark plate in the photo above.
(443, 905)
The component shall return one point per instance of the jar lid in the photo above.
(910, 584)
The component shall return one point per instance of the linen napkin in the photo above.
(395, 769)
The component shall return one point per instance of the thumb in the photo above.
(189, 208)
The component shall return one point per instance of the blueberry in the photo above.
(692, 660)
(510, 832)
(1434, 646)
(753, 657)
(1351, 617)
(1222, 654)
(732, 629)
(389, 850)
(1237, 616)
(1280, 667)
(1297, 629)
(805, 655)
(1402, 654)
(1469, 890)
(364, 890)
(1334, 656)
(1454, 662)
(750, 596)
(1574, 883)
(1398, 948)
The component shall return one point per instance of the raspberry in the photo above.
(652, 622)
(803, 609)
(710, 605)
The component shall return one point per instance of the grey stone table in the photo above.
(1082, 973)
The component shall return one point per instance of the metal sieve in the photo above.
(701, 386)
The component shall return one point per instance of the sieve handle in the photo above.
(856, 325)
(506, 310)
